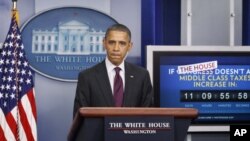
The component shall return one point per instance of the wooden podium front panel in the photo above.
(88, 124)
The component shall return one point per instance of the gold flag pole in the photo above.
(15, 15)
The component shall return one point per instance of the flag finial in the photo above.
(14, 4)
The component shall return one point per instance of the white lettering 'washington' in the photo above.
(139, 131)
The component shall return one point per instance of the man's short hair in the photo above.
(118, 27)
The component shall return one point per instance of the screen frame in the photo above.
(151, 49)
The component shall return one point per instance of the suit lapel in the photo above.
(103, 81)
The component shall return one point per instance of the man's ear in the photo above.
(131, 46)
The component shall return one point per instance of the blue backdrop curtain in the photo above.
(161, 24)
(246, 23)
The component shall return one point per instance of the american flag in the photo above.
(18, 119)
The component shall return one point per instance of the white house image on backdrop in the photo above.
(70, 38)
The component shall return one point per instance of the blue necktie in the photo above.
(118, 88)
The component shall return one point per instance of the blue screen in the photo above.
(221, 94)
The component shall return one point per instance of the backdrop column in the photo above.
(161, 24)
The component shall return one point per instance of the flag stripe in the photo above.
(27, 106)
(25, 123)
(12, 121)
(7, 134)
(2, 137)
(33, 115)
(22, 135)
(31, 97)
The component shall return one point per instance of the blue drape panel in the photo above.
(161, 24)
(246, 23)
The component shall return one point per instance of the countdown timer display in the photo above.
(217, 84)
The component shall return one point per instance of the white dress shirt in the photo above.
(111, 73)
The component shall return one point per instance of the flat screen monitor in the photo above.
(213, 79)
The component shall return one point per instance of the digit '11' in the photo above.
(188, 95)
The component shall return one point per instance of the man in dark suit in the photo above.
(97, 86)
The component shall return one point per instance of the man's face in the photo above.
(117, 44)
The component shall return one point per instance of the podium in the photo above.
(88, 124)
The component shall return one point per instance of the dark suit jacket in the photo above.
(94, 89)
